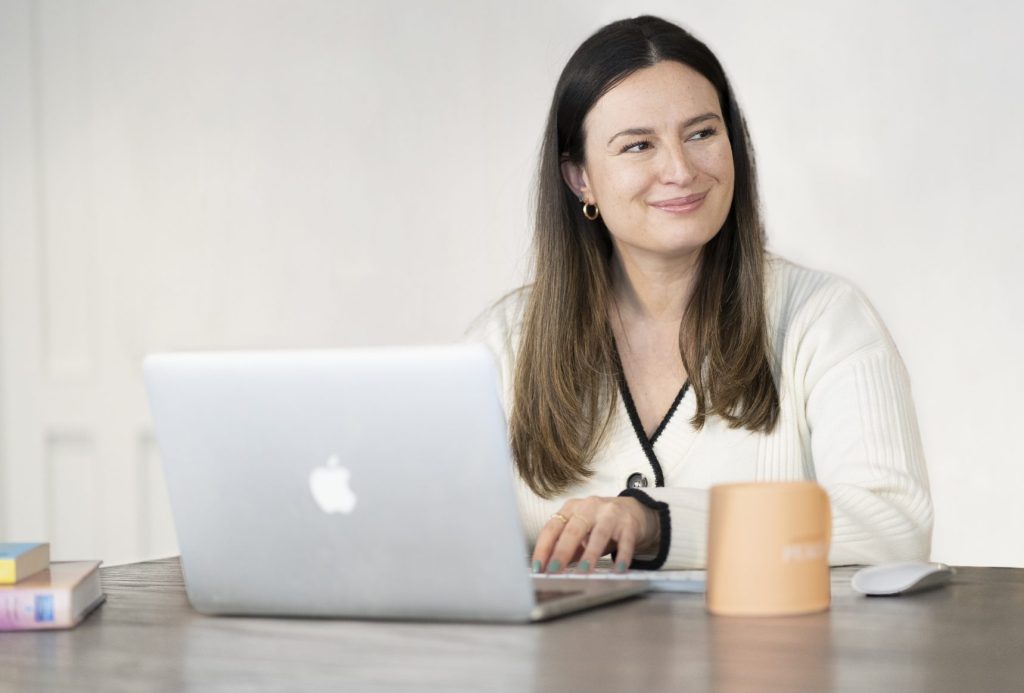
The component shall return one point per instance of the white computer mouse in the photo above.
(900, 578)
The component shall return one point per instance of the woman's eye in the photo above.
(636, 146)
(703, 134)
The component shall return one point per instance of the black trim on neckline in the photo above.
(638, 429)
(671, 411)
(647, 444)
(666, 529)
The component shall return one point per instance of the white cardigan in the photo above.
(847, 421)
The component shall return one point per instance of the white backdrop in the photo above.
(198, 174)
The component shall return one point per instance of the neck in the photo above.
(653, 289)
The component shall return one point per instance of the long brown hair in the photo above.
(566, 371)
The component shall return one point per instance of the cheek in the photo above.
(627, 182)
(717, 163)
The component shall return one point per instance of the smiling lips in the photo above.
(681, 205)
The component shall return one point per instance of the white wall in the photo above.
(260, 174)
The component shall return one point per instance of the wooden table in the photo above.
(966, 637)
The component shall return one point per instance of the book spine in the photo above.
(8, 570)
(34, 609)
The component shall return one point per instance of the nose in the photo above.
(676, 167)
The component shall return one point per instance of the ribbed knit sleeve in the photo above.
(865, 441)
(688, 513)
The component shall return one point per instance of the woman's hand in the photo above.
(586, 529)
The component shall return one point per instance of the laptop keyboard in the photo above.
(659, 580)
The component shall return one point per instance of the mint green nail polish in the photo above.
(554, 566)
(620, 567)
(583, 567)
(536, 567)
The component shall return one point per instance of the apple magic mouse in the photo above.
(900, 578)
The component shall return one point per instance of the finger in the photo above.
(569, 544)
(549, 534)
(626, 545)
(597, 543)
(547, 538)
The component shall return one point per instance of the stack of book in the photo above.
(36, 594)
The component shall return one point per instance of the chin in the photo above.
(672, 248)
(686, 240)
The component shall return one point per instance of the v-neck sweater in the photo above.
(846, 420)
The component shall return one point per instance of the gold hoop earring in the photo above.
(592, 216)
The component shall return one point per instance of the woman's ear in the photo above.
(575, 177)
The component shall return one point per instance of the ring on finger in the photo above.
(585, 521)
(560, 516)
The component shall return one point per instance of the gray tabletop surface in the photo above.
(968, 636)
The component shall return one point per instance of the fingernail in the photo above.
(554, 566)
(620, 567)
(536, 567)
(583, 567)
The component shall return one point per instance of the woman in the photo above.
(661, 350)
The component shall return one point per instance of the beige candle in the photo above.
(768, 549)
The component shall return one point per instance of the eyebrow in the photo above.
(650, 131)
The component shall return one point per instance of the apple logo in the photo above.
(330, 488)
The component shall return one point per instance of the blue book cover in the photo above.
(15, 550)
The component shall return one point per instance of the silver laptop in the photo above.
(372, 483)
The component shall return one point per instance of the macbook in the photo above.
(364, 483)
